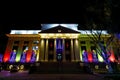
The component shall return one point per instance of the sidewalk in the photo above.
(108, 76)
(25, 76)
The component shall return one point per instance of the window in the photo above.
(93, 48)
(15, 48)
(51, 44)
(67, 44)
(82, 42)
(91, 42)
(25, 47)
(83, 47)
(26, 42)
(16, 42)
(102, 42)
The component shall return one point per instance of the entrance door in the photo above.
(59, 55)
(59, 49)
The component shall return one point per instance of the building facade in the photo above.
(54, 43)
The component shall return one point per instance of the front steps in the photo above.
(57, 68)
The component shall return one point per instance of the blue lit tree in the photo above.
(117, 46)
(99, 19)
(85, 56)
(13, 56)
(94, 54)
(1, 56)
(101, 49)
(23, 57)
(33, 57)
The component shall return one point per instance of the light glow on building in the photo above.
(37, 49)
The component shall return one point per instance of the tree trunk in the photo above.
(106, 57)
(110, 69)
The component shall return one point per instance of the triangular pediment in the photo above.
(59, 29)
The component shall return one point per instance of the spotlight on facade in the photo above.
(21, 67)
(10, 67)
(96, 67)
(107, 67)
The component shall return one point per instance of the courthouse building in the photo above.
(55, 42)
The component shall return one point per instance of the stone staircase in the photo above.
(57, 68)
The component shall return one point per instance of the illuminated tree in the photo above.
(99, 19)
(116, 46)
(104, 50)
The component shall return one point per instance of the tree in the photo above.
(102, 49)
(116, 44)
(99, 19)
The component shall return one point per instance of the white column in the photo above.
(63, 42)
(46, 51)
(54, 50)
(79, 50)
(39, 51)
(42, 50)
(76, 46)
(72, 52)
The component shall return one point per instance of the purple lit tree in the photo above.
(23, 57)
(98, 20)
(1, 56)
(94, 54)
(33, 57)
(117, 46)
(85, 56)
(98, 37)
(13, 56)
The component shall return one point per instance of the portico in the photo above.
(60, 45)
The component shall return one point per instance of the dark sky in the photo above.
(32, 20)
(19, 15)
(30, 16)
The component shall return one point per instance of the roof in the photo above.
(59, 29)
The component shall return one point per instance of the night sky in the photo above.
(30, 16)
(30, 22)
